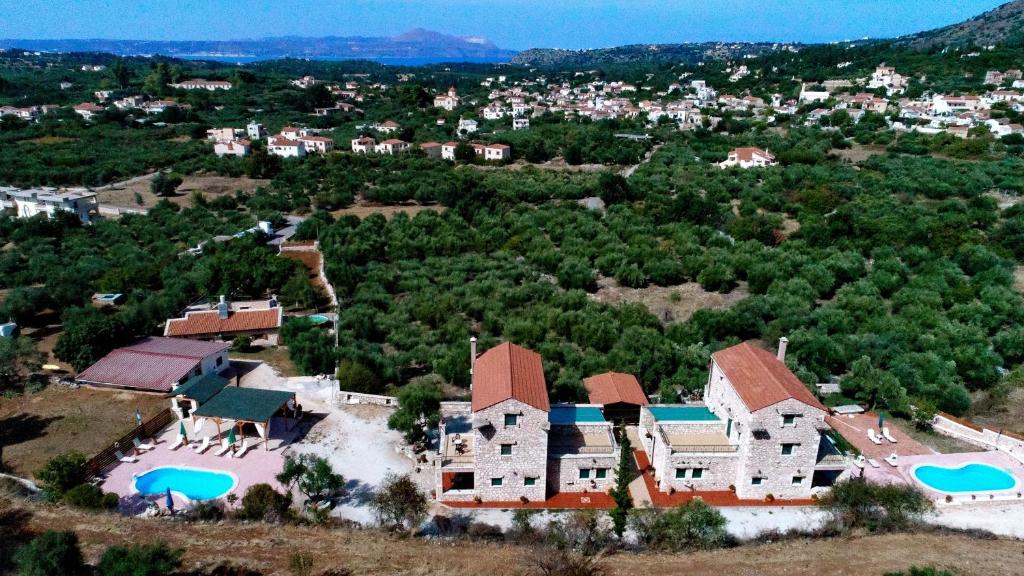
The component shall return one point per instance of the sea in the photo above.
(422, 61)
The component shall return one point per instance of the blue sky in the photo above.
(515, 24)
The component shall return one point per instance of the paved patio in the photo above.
(903, 471)
(854, 427)
(259, 465)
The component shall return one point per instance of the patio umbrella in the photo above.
(181, 430)
(138, 417)
(881, 420)
(168, 501)
(231, 435)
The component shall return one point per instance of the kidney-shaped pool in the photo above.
(967, 478)
(193, 483)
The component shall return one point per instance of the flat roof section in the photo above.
(682, 414)
(568, 415)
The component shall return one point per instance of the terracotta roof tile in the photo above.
(154, 364)
(508, 372)
(761, 379)
(614, 387)
(209, 323)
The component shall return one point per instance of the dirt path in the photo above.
(370, 552)
(629, 170)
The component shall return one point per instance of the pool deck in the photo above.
(903, 473)
(854, 428)
(259, 465)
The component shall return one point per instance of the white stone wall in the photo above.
(564, 472)
(529, 452)
(719, 471)
(764, 458)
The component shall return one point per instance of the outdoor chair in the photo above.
(241, 451)
(143, 446)
(887, 435)
(871, 436)
(892, 459)
(859, 461)
(202, 446)
(224, 447)
(178, 443)
(126, 459)
(874, 463)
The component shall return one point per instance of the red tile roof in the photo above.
(761, 379)
(154, 364)
(508, 372)
(209, 323)
(746, 154)
(614, 387)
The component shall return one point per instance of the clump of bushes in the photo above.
(859, 504)
(90, 497)
(262, 503)
(692, 526)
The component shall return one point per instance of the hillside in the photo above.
(369, 552)
(993, 27)
(688, 53)
(414, 44)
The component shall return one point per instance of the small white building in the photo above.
(467, 126)
(29, 203)
(239, 147)
(224, 134)
(392, 146)
(448, 150)
(286, 147)
(748, 157)
(363, 145)
(88, 110)
(449, 101)
(318, 144)
(497, 152)
(520, 123)
(387, 127)
(202, 84)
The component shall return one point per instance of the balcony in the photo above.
(699, 443)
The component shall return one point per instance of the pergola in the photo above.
(198, 390)
(243, 405)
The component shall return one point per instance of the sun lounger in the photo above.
(892, 459)
(178, 443)
(887, 435)
(142, 446)
(125, 459)
(874, 463)
(872, 437)
(859, 461)
(202, 446)
(241, 451)
(224, 447)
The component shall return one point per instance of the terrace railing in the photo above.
(106, 457)
(704, 448)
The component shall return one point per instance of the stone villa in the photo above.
(759, 432)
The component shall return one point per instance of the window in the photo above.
(680, 472)
(697, 473)
(511, 419)
(789, 419)
(530, 481)
(584, 473)
(756, 481)
(506, 449)
(220, 360)
(788, 448)
(496, 481)
(798, 480)
(601, 473)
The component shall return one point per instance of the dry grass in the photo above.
(857, 152)
(276, 357)
(363, 209)
(60, 419)
(369, 552)
(44, 140)
(669, 303)
(123, 194)
(998, 414)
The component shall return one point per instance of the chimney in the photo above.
(223, 308)
(783, 342)
(472, 357)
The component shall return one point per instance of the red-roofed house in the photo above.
(748, 157)
(509, 443)
(156, 364)
(620, 395)
(258, 323)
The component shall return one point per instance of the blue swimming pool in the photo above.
(319, 318)
(966, 478)
(193, 483)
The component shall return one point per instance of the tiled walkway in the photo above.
(559, 501)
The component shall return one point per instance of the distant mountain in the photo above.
(689, 53)
(418, 44)
(993, 27)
